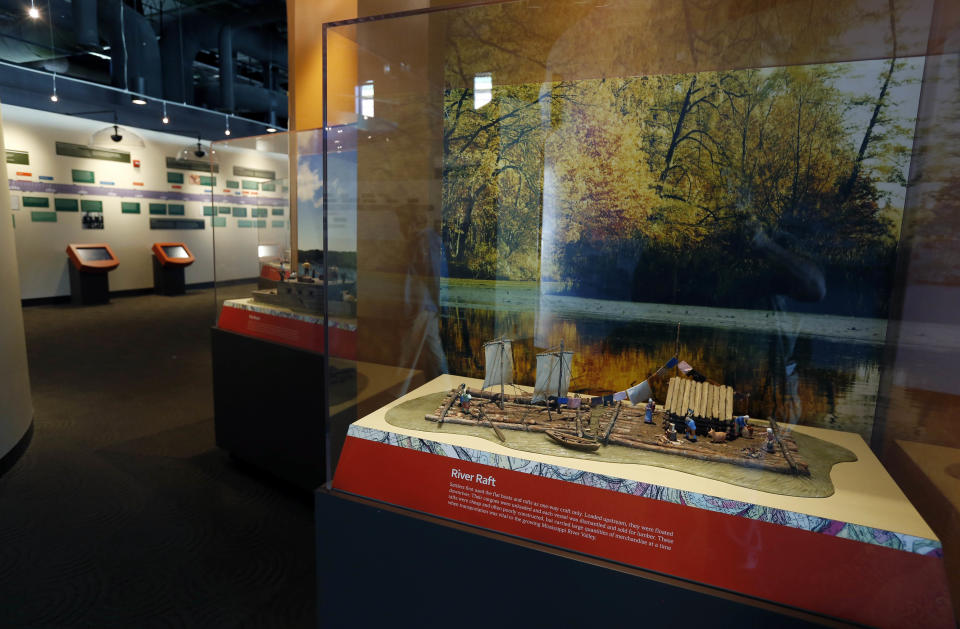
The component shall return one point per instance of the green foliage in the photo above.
(602, 183)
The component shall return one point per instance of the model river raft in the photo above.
(304, 291)
(696, 420)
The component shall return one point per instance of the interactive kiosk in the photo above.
(169, 261)
(89, 265)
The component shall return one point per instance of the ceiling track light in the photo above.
(136, 99)
(226, 131)
(33, 11)
(53, 97)
(166, 118)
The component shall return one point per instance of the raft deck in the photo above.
(629, 430)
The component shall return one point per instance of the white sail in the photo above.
(498, 357)
(553, 375)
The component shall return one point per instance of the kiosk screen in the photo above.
(92, 254)
(176, 251)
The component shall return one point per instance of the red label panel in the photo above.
(846, 579)
(302, 334)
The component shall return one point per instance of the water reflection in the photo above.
(837, 380)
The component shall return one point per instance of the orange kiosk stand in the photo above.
(169, 261)
(89, 265)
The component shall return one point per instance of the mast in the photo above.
(501, 372)
(560, 374)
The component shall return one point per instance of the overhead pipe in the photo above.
(85, 25)
(134, 53)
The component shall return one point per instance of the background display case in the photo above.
(737, 213)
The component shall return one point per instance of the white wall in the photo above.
(41, 246)
(16, 407)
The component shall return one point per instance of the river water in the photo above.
(617, 345)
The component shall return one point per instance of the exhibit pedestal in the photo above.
(88, 288)
(861, 554)
(270, 402)
(447, 574)
(168, 280)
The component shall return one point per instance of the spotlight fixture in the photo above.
(166, 118)
(136, 99)
(33, 11)
(271, 130)
(226, 131)
(53, 97)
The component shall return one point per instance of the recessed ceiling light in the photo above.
(271, 130)
(138, 100)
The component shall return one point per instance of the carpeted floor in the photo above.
(122, 512)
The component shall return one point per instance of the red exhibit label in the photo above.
(303, 334)
(846, 579)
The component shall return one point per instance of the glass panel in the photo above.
(708, 205)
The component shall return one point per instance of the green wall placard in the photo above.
(158, 208)
(286, 188)
(83, 176)
(43, 217)
(277, 211)
(244, 223)
(207, 180)
(233, 184)
(177, 223)
(81, 150)
(175, 209)
(240, 171)
(223, 209)
(258, 212)
(262, 224)
(239, 212)
(219, 221)
(129, 207)
(66, 205)
(18, 157)
(174, 177)
(209, 210)
(88, 205)
(192, 164)
(268, 187)
(35, 202)
(279, 223)
(250, 185)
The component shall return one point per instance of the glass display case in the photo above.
(670, 286)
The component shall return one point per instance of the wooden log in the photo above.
(701, 399)
(717, 392)
(729, 402)
(671, 392)
(722, 412)
(711, 398)
(770, 464)
(701, 394)
(684, 399)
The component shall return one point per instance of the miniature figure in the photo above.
(717, 436)
(740, 422)
(465, 401)
(651, 406)
(691, 426)
(771, 441)
(672, 432)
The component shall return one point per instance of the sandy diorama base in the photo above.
(821, 455)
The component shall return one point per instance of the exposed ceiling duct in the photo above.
(165, 49)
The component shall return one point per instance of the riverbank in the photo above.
(513, 296)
